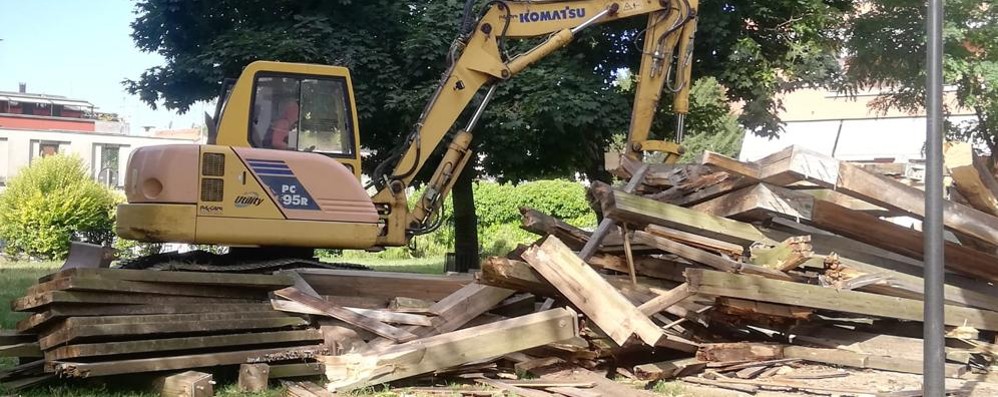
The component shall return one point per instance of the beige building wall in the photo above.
(19, 147)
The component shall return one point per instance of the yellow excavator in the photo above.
(281, 170)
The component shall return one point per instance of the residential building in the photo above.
(33, 126)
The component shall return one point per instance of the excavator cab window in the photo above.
(303, 113)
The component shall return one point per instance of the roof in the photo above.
(43, 98)
(185, 133)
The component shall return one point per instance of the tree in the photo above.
(554, 119)
(887, 50)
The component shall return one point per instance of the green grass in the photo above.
(16, 277)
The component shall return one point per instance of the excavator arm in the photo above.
(478, 60)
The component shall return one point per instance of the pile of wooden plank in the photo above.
(794, 273)
(796, 258)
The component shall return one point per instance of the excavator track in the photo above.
(203, 261)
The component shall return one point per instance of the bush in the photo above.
(498, 209)
(49, 201)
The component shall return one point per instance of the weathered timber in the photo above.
(514, 275)
(665, 300)
(602, 385)
(27, 349)
(720, 161)
(860, 360)
(383, 285)
(741, 307)
(599, 300)
(971, 177)
(401, 304)
(669, 369)
(739, 351)
(30, 302)
(892, 283)
(659, 268)
(380, 315)
(709, 282)
(607, 224)
(83, 370)
(168, 277)
(353, 371)
(340, 313)
(185, 384)
(733, 251)
(762, 201)
(543, 224)
(870, 343)
(141, 287)
(514, 389)
(799, 164)
(298, 370)
(573, 391)
(304, 389)
(456, 310)
(69, 331)
(183, 343)
(54, 312)
(253, 377)
(787, 255)
(700, 256)
(9, 337)
(642, 211)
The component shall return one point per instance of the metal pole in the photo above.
(933, 380)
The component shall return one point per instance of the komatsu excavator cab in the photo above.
(281, 168)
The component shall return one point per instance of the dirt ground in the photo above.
(872, 382)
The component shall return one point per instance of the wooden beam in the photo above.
(456, 310)
(860, 360)
(354, 371)
(708, 282)
(717, 160)
(182, 343)
(665, 300)
(700, 256)
(972, 177)
(185, 384)
(30, 302)
(83, 370)
(762, 201)
(297, 370)
(380, 315)
(513, 389)
(27, 349)
(253, 378)
(642, 211)
(733, 251)
(669, 369)
(342, 314)
(70, 331)
(799, 164)
(170, 277)
(141, 287)
(607, 224)
(54, 312)
(599, 300)
(383, 285)
(787, 255)
(543, 224)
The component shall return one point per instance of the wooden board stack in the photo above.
(784, 274)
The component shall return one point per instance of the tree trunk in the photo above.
(465, 221)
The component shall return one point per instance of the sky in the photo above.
(82, 50)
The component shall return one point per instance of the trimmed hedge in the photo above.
(498, 209)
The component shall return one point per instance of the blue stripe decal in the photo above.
(267, 161)
(262, 168)
(279, 173)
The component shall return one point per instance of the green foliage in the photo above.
(47, 202)
(887, 50)
(498, 209)
(710, 125)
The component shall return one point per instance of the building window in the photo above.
(107, 164)
(40, 149)
(4, 158)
